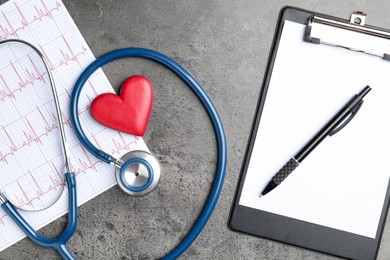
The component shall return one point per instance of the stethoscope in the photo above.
(58, 243)
(137, 172)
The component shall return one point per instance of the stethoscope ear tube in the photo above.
(58, 243)
(207, 104)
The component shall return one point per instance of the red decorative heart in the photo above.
(130, 111)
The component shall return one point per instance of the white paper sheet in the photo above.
(342, 183)
(29, 146)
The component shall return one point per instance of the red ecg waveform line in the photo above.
(83, 167)
(41, 12)
(32, 136)
(67, 56)
(23, 82)
(55, 182)
(89, 98)
(31, 77)
(122, 145)
(33, 74)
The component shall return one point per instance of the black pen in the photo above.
(338, 122)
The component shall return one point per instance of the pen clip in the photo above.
(354, 111)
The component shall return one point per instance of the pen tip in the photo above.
(261, 195)
(364, 91)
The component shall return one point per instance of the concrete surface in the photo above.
(225, 45)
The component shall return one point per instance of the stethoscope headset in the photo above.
(137, 172)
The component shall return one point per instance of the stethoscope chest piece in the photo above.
(139, 173)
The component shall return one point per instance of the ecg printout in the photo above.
(30, 142)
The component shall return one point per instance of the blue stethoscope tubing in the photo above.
(58, 243)
(207, 104)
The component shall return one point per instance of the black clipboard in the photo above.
(288, 230)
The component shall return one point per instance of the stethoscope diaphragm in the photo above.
(139, 174)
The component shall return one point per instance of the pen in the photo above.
(339, 121)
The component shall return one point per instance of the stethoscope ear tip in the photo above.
(139, 173)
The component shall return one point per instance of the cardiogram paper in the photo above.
(29, 149)
(343, 182)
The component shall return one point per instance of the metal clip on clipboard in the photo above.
(353, 35)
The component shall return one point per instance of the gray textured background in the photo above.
(225, 45)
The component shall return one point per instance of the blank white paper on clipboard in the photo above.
(343, 182)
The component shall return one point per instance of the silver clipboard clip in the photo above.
(351, 35)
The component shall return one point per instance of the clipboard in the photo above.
(348, 242)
